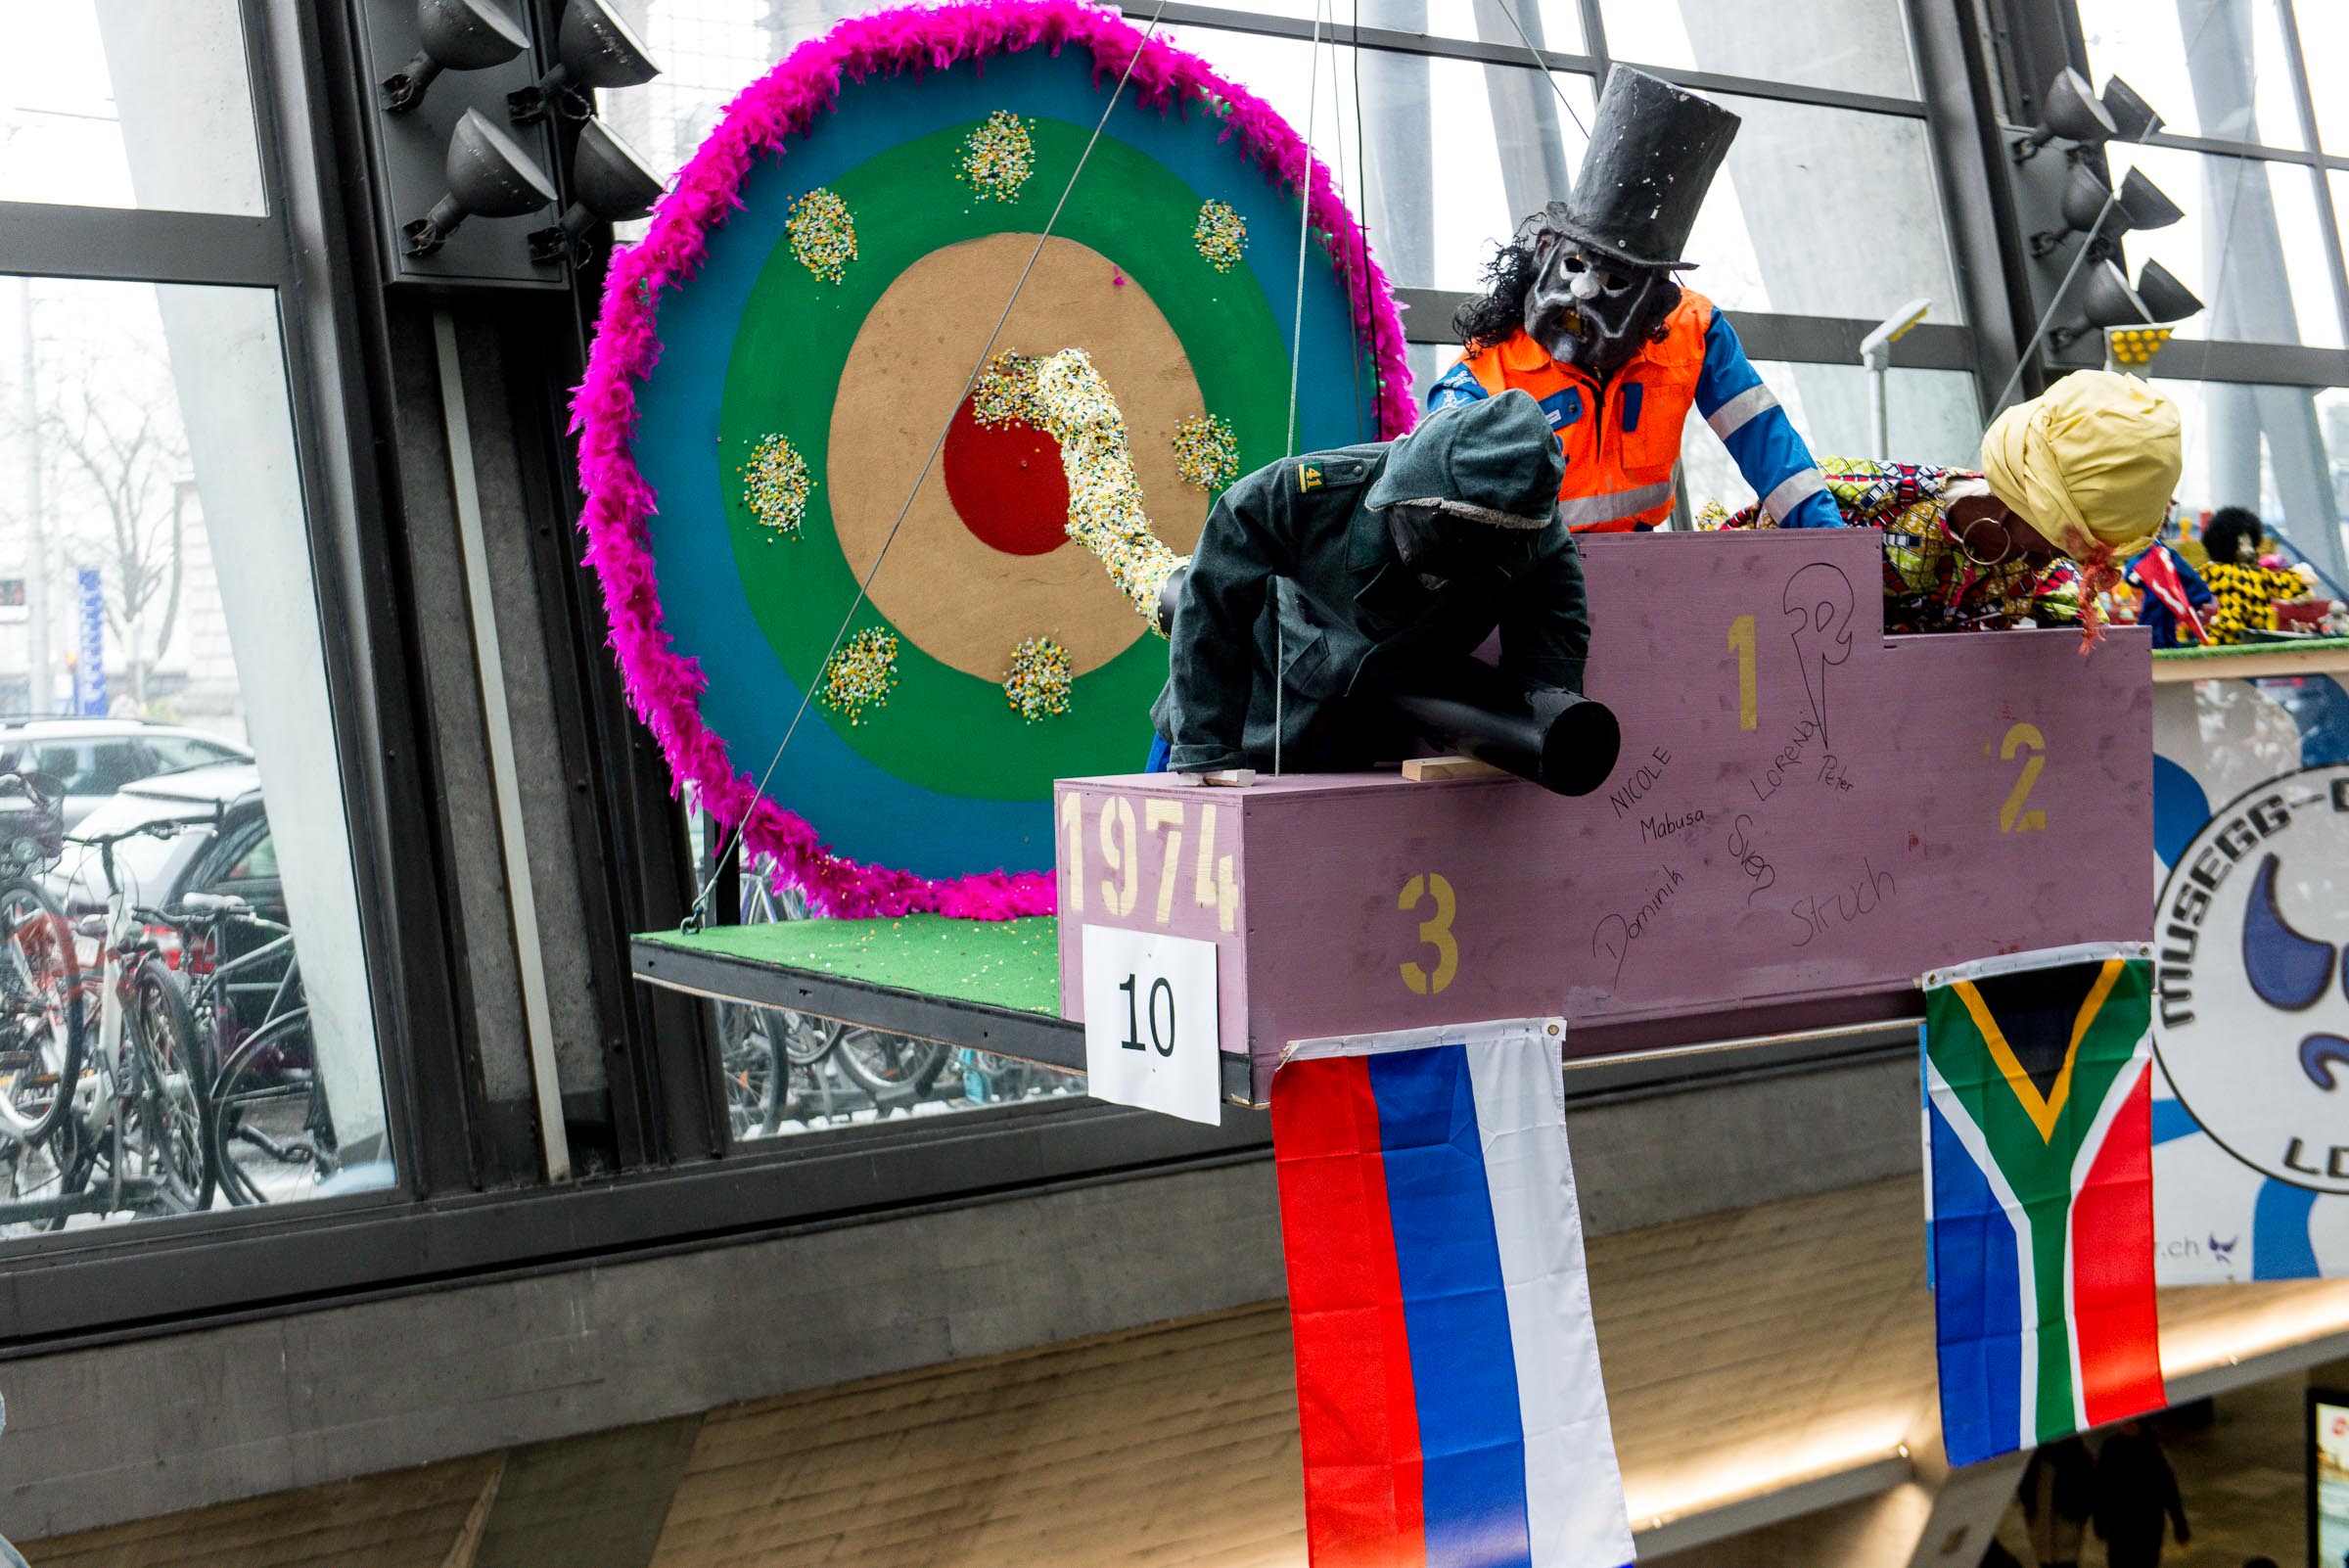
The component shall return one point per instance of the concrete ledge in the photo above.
(111, 1433)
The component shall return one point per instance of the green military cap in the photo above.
(1494, 461)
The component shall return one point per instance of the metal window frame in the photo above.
(292, 251)
(1767, 335)
(2236, 360)
(1593, 62)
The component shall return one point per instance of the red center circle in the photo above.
(1006, 484)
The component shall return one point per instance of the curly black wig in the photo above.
(2228, 527)
(1499, 310)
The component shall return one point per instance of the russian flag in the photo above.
(1448, 1382)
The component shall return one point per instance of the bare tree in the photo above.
(127, 449)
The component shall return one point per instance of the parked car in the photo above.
(96, 757)
(224, 847)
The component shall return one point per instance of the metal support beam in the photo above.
(136, 247)
(504, 779)
(1766, 335)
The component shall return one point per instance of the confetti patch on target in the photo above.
(1037, 686)
(861, 674)
(812, 323)
(1206, 452)
(776, 485)
(1221, 235)
(999, 157)
(822, 234)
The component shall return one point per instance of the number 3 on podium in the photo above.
(1436, 932)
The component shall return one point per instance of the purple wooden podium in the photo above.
(1807, 815)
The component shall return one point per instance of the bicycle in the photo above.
(144, 1080)
(265, 1091)
(773, 1060)
(40, 991)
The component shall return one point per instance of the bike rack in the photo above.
(139, 1195)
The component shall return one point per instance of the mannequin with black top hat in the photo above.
(1586, 314)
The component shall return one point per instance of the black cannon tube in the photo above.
(1563, 741)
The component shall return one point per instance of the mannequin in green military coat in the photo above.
(1371, 570)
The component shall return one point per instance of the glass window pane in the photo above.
(155, 515)
(2249, 246)
(1548, 24)
(1507, 141)
(1767, 241)
(2323, 45)
(1859, 45)
(709, 50)
(2229, 78)
(2284, 451)
(1416, 113)
(128, 103)
(1931, 416)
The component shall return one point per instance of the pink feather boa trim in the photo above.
(664, 686)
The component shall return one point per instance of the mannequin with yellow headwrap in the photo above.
(2072, 484)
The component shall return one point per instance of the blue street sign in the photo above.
(89, 668)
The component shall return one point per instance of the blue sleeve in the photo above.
(1776, 462)
(1458, 385)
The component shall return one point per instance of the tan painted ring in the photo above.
(961, 601)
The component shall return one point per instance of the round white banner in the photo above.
(2252, 1021)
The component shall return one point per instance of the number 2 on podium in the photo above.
(2012, 818)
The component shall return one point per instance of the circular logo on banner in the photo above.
(2252, 1021)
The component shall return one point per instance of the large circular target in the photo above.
(775, 408)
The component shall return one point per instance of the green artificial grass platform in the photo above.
(2232, 650)
(1013, 964)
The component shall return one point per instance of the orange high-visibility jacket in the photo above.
(1622, 438)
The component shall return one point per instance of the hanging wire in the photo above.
(1542, 66)
(733, 843)
(2235, 202)
(1305, 233)
(1305, 216)
(2088, 244)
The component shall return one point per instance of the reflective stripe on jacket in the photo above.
(1622, 440)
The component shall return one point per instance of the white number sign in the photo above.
(1150, 1036)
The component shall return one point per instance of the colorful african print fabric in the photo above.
(1929, 585)
(2247, 596)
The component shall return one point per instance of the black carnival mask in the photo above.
(1592, 313)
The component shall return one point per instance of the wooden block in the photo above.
(1435, 769)
(1807, 814)
(1236, 778)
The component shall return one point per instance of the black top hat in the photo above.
(1654, 149)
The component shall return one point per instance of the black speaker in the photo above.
(593, 49)
(2072, 113)
(453, 36)
(610, 183)
(489, 176)
(2133, 119)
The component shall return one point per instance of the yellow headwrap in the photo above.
(2094, 460)
(2091, 465)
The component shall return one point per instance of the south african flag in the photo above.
(2038, 1122)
